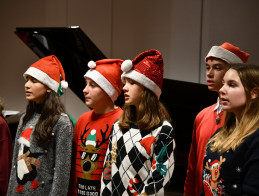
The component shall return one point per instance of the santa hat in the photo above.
(145, 146)
(147, 143)
(91, 138)
(25, 137)
(48, 70)
(213, 163)
(229, 53)
(107, 74)
(147, 69)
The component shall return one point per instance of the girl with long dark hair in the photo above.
(42, 150)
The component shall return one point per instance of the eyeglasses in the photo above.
(92, 156)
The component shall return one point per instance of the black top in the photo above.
(233, 172)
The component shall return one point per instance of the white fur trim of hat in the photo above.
(102, 82)
(142, 79)
(42, 77)
(224, 54)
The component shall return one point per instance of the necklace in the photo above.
(218, 118)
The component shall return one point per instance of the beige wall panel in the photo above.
(234, 21)
(15, 55)
(94, 18)
(170, 26)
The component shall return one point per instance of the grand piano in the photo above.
(74, 49)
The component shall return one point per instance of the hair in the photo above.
(216, 58)
(151, 113)
(50, 111)
(231, 136)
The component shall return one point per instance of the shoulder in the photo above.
(114, 114)
(119, 110)
(22, 116)
(116, 125)
(250, 146)
(64, 122)
(117, 113)
(253, 139)
(2, 122)
(167, 129)
(165, 135)
(205, 111)
(166, 125)
(116, 122)
(4, 132)
(85, 115)
(64, 118)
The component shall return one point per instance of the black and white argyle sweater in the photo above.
(138, 162)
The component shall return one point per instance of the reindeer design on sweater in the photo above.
(211, 182)
(90, 155)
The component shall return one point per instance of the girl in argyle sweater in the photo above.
(140, 157)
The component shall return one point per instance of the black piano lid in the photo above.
(70, 44)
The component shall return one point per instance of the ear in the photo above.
(254, 93)
(48, 90)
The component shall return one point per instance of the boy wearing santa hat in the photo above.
(218, 61)
(92, 131)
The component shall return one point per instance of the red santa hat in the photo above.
(147, 143)
(214, 163)
(25, 137)
(147, 69)
(48, 71)
(107, 74)
(228, 53)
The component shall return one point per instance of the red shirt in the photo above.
(204, 127)
(90, 143)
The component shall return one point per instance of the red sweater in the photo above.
(90, 143)
(6, 151)
(204, 127)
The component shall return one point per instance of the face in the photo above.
(132, 92)
(215, 71)
(232, 93)
(95, 96)
(215, 172)
(35, 90)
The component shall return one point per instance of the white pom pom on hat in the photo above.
(64, 84)
(91, 64)
(126, 65)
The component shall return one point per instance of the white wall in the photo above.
(183, 30)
